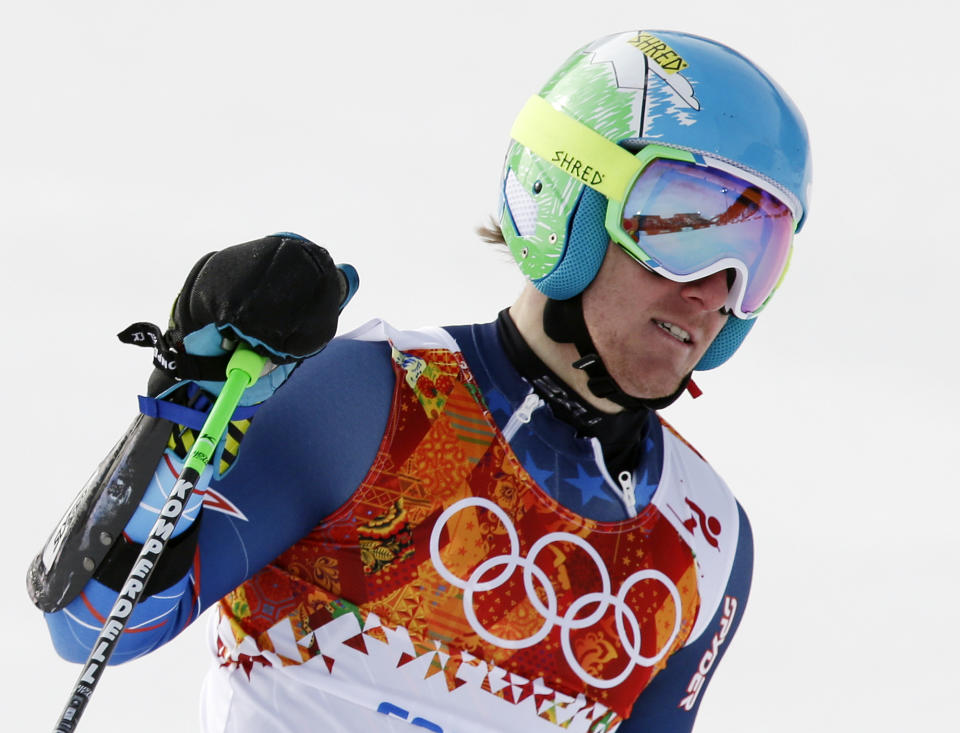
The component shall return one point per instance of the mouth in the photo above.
(675, 331)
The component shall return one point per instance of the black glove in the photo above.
(281, 295)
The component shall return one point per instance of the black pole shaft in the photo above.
(127, 600)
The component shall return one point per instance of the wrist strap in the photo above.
(167, 358)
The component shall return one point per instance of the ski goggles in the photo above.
(681, 214)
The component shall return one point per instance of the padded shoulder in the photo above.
(96, 518)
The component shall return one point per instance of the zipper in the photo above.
(522, 415)
(629, 488)
(626, 484)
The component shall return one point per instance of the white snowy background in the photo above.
(135, 137)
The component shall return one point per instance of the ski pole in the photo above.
(243, 370)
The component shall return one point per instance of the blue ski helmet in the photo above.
(563, 181)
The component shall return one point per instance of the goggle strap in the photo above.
(575, 149)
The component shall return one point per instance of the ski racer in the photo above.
(482, 527)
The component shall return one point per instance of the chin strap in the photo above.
(563, 322)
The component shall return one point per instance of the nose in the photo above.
(709, 292)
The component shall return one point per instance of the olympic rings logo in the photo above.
(604, 599)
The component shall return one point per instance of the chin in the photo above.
(657, 391)
(664, 385)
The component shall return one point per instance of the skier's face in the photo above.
(651, 331)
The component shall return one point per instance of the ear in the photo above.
(586, 247)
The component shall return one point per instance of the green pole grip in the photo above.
(243, 370)
(247, 361)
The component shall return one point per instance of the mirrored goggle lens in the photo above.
(688, 218)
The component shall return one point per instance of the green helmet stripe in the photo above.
(575, 149)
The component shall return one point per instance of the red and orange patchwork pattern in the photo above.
(449, 539)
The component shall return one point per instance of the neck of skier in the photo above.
(527, 315)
